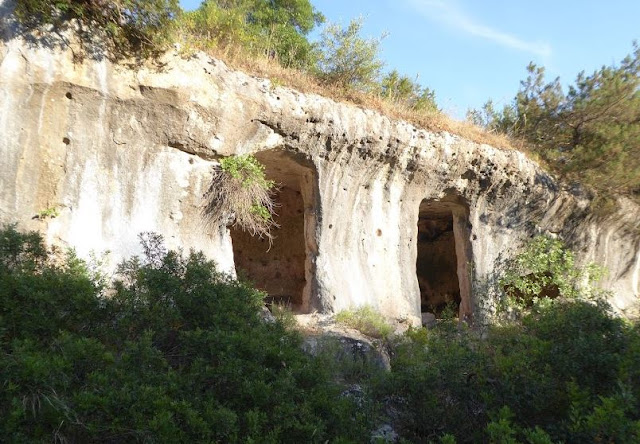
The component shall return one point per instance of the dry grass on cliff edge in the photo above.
(436, 121)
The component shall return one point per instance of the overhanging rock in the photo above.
(118, 151)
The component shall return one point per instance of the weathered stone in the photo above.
(119, 151)
(348, 348)
(428, 320)
(384, 433)
(266, 315)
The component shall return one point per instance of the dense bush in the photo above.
(175, 353)
(589, 133)
(558, 371)
(562, 375)
(276, 28)
(348, 60)
(131, 27)
(402, 90)
(546, 269)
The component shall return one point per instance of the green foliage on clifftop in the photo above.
(277, 28)
(130, 27)
(589, 133)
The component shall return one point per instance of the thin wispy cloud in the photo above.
(448, 12)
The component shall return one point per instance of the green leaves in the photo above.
(247, 169)
(240, 191)
(366, 320)
(176, 353)
(591, 133)
(559, 375)
(547, 269)
(402, 90)
(132, 27)
(348, 60)
(275, 28)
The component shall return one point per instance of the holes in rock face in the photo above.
(284, 269)
(68, 96)
(66, 140)
(443, 258)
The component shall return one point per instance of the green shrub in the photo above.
(348, 60)
(435, 386)
(276, 28)
(129, 27)
(176, 353)
(41, 291)
(546, 269)
(240, 191)
(402, 90)
(366, 320)
(562, 374)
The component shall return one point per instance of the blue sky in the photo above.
(468, 51)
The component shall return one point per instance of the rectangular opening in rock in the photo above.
(443, 259)
(284, 269)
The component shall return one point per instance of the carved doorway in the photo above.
(443, 264)
(283, 269)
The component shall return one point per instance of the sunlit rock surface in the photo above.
(115, 151)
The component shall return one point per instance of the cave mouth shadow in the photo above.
(443, 258)
(284, 268)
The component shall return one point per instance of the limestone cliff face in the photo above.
(119, 151)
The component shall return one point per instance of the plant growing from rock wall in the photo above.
(48, 213)
(543, 271)
(241, 193)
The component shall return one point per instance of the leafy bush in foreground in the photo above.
(177, 353)
(563, 374)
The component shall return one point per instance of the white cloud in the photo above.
(447, 11)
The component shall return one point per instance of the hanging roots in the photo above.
(239, 193)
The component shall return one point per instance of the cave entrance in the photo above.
(284, 269)
(444, 258)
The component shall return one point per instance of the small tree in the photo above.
(131, 27)
(546, 269)
(590, 133)
(348, 60)
(278, 28)
(401, 89)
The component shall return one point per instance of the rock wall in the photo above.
(119, 151)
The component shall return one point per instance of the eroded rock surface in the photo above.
(119, 151)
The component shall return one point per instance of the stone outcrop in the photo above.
(116, 151)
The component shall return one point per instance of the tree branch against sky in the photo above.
(469, 51)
